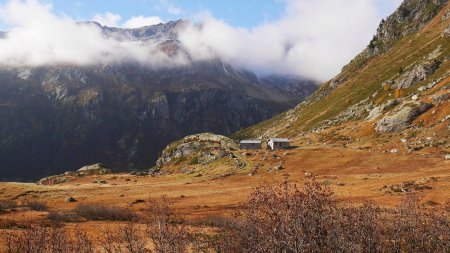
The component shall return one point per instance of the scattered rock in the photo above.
(139, 173)
(408, 186)
(54, 180)
(447, 157)
(415, 97)
(71, 200)
(404, 141)
(278, 167)
(395, 151)
(187, 171)
(442, 97)
(446, 32)
(137, 201)
(102, 182)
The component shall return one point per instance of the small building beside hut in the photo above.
(278, 143)
(250, 144)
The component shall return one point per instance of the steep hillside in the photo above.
(58, 118)
(401, 75)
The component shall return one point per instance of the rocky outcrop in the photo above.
(95, 169)
(419, 73)
(204, 148)
(401, 118)
(379, 110)
(409, 18)
(89, 170)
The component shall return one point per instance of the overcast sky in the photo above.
(311, 38)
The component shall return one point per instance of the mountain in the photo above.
(293, 89)
(398, 87)
(61, 117)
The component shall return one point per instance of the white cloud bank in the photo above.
(39, 37)
(140, 21)
(314, 39)
(113, 20)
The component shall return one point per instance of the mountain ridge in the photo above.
(371, 79)
(62, 117)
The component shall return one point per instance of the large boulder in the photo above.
(379, 110)
(402, 118)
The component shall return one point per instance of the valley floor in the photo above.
(355, 176)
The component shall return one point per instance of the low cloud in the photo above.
(313, 39)
(108, 19)
(141, 21)
(114, 20)
(39, 37)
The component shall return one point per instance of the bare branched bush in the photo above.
(285, 219)
(98, 211)
(166, 230)
(413, 228)
(282, 218)
(59, 217)
(47, 240)
(129, 238)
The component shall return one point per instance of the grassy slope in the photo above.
(365, 78)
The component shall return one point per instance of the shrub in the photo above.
(282, 218)
(286, 219)
(36, 205)
(128, 238)
(399, 93)
(165, 229)
(7, 204)
(194, 160)
(104, 212)
(62, 217)
(44, 239)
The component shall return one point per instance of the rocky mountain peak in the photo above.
(409, 18)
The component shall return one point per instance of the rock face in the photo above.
(417, 74)
(291, 89)
(59, 118)
(206, 148)
(410, 17)
(402, 118)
